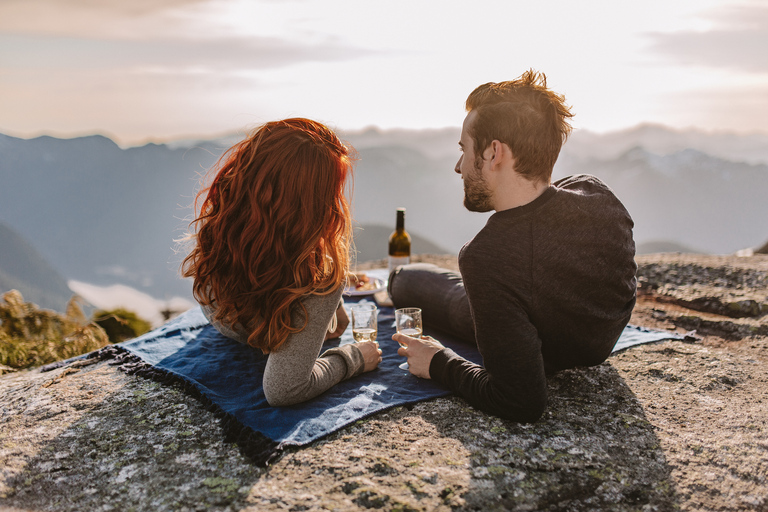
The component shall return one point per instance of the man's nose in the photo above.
(457, 169)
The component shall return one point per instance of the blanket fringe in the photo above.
(255, 446)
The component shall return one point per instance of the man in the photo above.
(547, 284)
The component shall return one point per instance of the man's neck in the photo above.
(517, 191)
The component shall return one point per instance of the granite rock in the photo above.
(675, 425)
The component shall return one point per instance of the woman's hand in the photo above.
(371, 354)
(342, 321)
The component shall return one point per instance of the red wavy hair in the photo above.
(274, 226)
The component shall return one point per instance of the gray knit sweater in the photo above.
(294, 372)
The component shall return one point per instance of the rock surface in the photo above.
(668, 426)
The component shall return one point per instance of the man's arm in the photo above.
(512, 383)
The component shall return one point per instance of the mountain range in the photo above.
(23, 268)
(102, 214)
(689, 198)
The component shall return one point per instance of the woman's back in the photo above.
(271, 250)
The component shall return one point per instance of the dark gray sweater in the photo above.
(551, 285)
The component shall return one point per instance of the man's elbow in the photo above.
(525, 411)
(528, 415)
(521, 415)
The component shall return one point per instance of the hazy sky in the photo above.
(141, 70)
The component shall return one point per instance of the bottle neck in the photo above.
(400, 223)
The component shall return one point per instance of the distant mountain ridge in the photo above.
(705, 203)
(102, 214)
(22, 268)
(661, 140)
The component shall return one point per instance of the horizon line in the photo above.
(132, 142)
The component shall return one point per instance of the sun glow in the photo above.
(177, 67)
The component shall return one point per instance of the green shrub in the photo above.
(30, 336)
(121, 324)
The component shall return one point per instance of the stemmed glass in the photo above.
(364, 321)
(408, 322)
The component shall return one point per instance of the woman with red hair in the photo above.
(271, 256)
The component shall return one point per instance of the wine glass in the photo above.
(364, 321)
(408, 322)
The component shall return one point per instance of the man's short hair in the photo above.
(523, 114)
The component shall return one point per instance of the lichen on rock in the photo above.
(676, 425)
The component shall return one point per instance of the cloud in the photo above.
(738, 40)
(114, 8)
(110, 19)
(122, 296)
(19, 51)
(169, 36)
(738, 108)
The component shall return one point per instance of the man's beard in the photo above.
(477, 197)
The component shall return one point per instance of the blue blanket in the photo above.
(227, 376)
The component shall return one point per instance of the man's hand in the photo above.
(419, 352)
(342, 321)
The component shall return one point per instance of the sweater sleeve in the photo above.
(294, 372)
(512, 382)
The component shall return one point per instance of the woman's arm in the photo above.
(295, 373)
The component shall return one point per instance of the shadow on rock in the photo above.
(96, 438)
(593, 449)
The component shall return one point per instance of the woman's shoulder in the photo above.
(322, 301)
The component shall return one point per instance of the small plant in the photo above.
(121, 324)
(30, 336)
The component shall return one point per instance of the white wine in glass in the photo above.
(364, 322)
(364, 334)
(412, 332)
(408, 322)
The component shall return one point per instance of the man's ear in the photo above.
(500, 153)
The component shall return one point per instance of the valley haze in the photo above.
(106, 218)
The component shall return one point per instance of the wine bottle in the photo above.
(399, 243)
